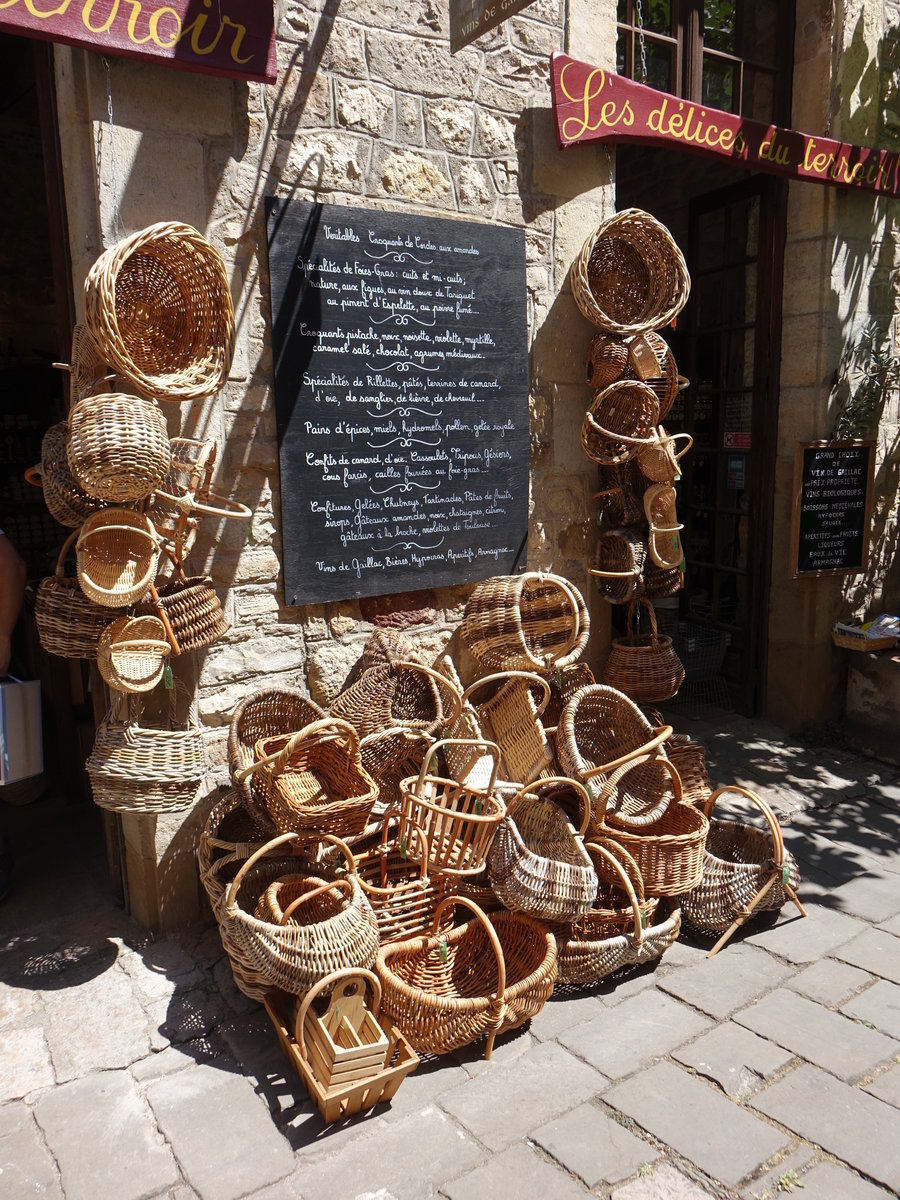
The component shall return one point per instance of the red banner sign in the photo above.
(591, 105)
(219, 37)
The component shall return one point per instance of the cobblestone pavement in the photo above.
(132, 1067)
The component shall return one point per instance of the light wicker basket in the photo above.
(117, 555)
(88, 373)
(511, 718)
(659, 462)
(67, 502)
(529, 622)
(608, 361)
(118, 446)
(132, 653)
(158, 308)
(644, 666)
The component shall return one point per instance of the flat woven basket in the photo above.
(116, 555)
(333, 927)
(630, 276)
(67, 502)
(158, 308)
(486, 976)
(644, 666)
(529, 622)
(269, 713)
(118, 448)
(190, 609)
(148, 763)
(512, 718)
(597, 946)
(68, 623)
(740, 862)
(619, 564)
(619, 421)
(132, 653)
(538, 864)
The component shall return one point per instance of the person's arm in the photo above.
(12, 589)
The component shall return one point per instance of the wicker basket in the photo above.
(88, 373)
(169, 508)
(619, 565)
(668, 852)
(511, 718)
(390, 756)
(746, 870)
(294, 954)
(117, 554)
(118, 447)
(608, 361)
(538, 864)
(621, 496)
(229, 836)
(191, 611)
(601, 729)
(149, 764)
(597, 946)
(482, 978)
(313, 781)
(659, 461)
(68, 623)
(132, 653)
(66, 501)
(661, 582)
(158, 308)
(689, 760)
(644, 665)
(269, 713)
(620, 420)
(398, 695)
(630, 276)
(458, 819)
(663, 541)
(529, 622)
(612, 910)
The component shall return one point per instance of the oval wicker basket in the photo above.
(158, 308)
(529, 622)
(619, 564)
(116, 554)
(118, 447)
(621, 495)
(619, 422)
(68, 623)
(659, 461)
(190, 609)
(67, 502)
(644, 665)
(486, 976)
(398, 695)
(630, 276)
(132, 653)
(148, 763)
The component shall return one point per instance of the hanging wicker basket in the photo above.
(630, 275)
(621, 496)
(482, 978)
(619, 422)
(746, 871)
(659, 462)
(528, 622)
(132, 653)
(118, 448)
(619, 565)
(68, 623)
(143, 763)
(158, 308)
(117, 554)
(191, 611)
(67, 502)
(88, 373)
(644, 665)
(608, 361)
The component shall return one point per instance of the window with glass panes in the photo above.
(728, 54)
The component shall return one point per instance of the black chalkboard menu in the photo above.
(832, 507)
(401, 397)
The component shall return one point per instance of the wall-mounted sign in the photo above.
(832, 510)
(401, 399)
(469, 19)
(592, 105)
(229, 37)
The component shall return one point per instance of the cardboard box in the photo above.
(21, 739)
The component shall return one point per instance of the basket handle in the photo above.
(423, 838)
(489, 930)
(35, 475)
(319, 891)
(529, 675)
(491, 747)
(615, 437)
(673, 437)
(772, 821)
(638, 603)
(598, 574)
(617, 850)
(566, 588)
(163, 616)
(613, 781)
(538, 784)
(600, 848)
(441, 681)
(662, 735)
(321, 730)
(345, 973)
(137, 644)
(60, 571)
(84, 534)
(214, 506)
(280, 840)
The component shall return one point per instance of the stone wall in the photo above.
(369, 109)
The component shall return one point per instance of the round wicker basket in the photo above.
(117, 554)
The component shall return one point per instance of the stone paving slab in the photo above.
(26, 1166)
(874, 951)
(891, 926)
(879, 1005)
(736, 1059)
(220, 1131)
(725, 1141)
(26, 1062)
(721, 985)
(886, 1087)
(828, 1181)
(805, 940)
(845, 1121)
(831, 1041)
(829, 982)
(561, 1013)
(664, 1182)
(629, 1036)
(766, 1186)
(872, 897)
(503, 1105)
(520, 1169)
(590, 1144)
(88, 1123)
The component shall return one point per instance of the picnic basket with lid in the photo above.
(158, 308)
(483, 977)
(529, 622)
(117, 554)
(619, 421)
(644, 665)
(69, 624)
(132, 653)
(118, 446)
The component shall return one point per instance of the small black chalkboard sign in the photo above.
(401, 398)
(832, 507)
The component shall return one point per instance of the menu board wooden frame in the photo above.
(809, 512)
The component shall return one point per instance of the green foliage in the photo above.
(867, 371)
